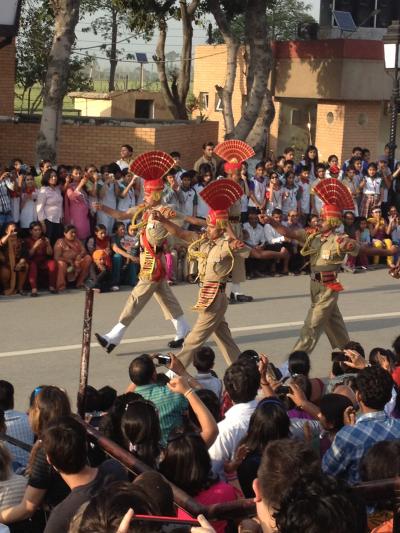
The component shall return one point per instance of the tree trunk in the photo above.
(258, 137)
(66, 14)
(113, 51)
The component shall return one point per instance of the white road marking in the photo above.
(287, 325)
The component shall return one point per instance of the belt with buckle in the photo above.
(323, 277)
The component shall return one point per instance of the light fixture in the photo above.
(9, 20)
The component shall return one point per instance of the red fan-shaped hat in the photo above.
(221, 194)
(336, 197)
(152, 165)
(234, 152)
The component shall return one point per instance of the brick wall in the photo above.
(7, 79)
(274, 129)
(329, 135)
(85, 144)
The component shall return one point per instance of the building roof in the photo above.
(93, 95)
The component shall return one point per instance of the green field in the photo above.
(21, 105)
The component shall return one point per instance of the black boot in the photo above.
(109, 347)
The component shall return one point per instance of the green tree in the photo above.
(33, 49)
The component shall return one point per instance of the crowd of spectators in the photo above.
(297, 445)
(53, 235)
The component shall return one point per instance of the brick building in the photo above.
(332, 92)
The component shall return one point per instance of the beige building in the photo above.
(121, 104)
(330, 92)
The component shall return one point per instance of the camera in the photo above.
(274, 373)
(283, 390)
(339, 357)
(163, 359)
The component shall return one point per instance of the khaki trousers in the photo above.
(141, 294)
(239, 266)
(323, 316)
(211, 322)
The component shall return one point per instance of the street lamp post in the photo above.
(9, 21)
(391, 44)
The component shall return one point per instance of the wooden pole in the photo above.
(85, 354)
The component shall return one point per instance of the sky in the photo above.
(87, 39)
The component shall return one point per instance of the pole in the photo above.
(141, 76)
(85, 354)
(394, 103)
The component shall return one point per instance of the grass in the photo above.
(21, 106)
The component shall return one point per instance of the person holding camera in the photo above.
(40, 258)
(13, 263)
(6, 186)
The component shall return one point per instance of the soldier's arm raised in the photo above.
(298, 235)
(172, 228)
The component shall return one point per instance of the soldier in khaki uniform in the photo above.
(235, 152)
(326, 250)
(216, 254)
(152, 276)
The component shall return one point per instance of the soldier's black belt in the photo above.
(323, 277)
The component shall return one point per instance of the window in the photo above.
(218, 102)
(144, 109)
(203, 98)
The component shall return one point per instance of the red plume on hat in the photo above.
(336, 197)
(152, 166)
(234, 152)
(220, 195)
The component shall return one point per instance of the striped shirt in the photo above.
(170, 405)
(12, 491)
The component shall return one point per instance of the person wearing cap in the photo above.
(216, 252)
(103, 272)
(152, 234)
(326, 250)
(235, 152)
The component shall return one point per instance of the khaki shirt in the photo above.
(213, 162)
(216, 259)
(324, 252)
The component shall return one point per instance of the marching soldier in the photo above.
(216, 252)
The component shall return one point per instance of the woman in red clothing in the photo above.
(40, 255)
(73, 261)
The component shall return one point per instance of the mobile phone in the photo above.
(283, 390)
(163, 359)
(273, 372)
(339, 357)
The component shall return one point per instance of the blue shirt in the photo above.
(352, 442)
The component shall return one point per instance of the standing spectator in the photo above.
(65, 445)
(40, 259)
(355, 153)
(49, 206)
(205, 177)
(17, 424)
(6, 186)
(242, 381)
(257, 190)
(385, 174)
(316, 202)
(291, 195)
(395, 192)
(127, 191)
(352, 182)
(188, 196)
(77, 204)
(107, 193)
(44, 166)
(372, 191)
(126, 154)
(73, 261)
(176, 156)
(209, 158)
(171, 193)
(310, 160)
(374, 391)
(28, 202)
(305, 193)
(274, 193)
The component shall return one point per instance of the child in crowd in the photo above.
(124, 260)
(203, 361)
(305, 192)
(372, 191)
(257, 190)
(363, 236)
(100, 241)
(291, 195)
(103, 273)
(274, 193)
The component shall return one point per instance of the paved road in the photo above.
(40, 337)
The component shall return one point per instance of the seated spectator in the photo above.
(363, 236)
(299, 363)
(296, 260)
(17, 425)
(13, 263)
(187, 464)
(396, 370)
(40, 259)
(203, 361)
(105, 511)
(377, 227)
(141, 427)
(302, 421)
(103, 281)
(275, 241)
(211, 401)
(65, 445)
(45, 485)
(154, 484)
(12, 486)
(73, 261)
(374, 390)
(125, 258)
(319, 504)
(110, 423)
(382, 461)
(268, 422)
(100, 241)
(333, 408)
(242, 381)
(254, 237)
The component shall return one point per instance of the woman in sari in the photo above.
(73, 261)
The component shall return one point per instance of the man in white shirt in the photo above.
(242, 381)
(253, 234)
(275, 241)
